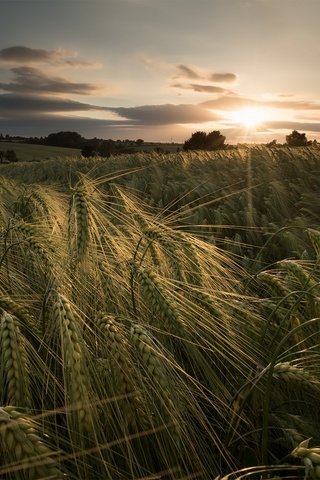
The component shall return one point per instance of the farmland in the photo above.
(28, 152)
(160, 315)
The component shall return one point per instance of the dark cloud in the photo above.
(34, 81)
(25, 55)
(197, 87)
(37, 125)
(166, 114)
(16, 105)
(21, 54)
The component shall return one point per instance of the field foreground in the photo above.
(160, 316)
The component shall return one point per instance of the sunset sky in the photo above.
(160, 69)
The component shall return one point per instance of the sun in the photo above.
(249, 117)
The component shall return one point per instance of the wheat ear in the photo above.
(158, 298)
(22, 444)
(117, 345)
(75, 375)
(15, 362)
(81, 222)
(152, 361)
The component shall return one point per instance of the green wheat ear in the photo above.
(15, 363)
(23, 445)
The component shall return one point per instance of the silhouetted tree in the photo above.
(296, 139)
(196, 142)
(202, 141)
(88, 151)
(11, 156)
(107, 148)
(214, 140)
(139, 142)
(65, 139)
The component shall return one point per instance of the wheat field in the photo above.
(160, 316)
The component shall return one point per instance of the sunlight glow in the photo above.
(249, 116)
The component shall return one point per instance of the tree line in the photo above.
(215, 141)
(88, 146)
(104, 148)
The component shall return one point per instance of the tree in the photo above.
(214, 140)
(88, 151)
(65, 139)
(2, 156)
(139, 142)
(296, 139)
(272, 144)
(202, 141)
(107, 148)
(11, 156)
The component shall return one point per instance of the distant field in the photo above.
(27, 153)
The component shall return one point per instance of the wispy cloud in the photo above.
(198, 87)
(188, 72)
(34, 81)
(233, 102)
(22, 55)
(195, 73)
(300, 126)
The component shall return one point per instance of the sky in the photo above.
(160, 69)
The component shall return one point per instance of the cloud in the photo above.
(23, 55)
(233, 102)
(16, 105)
(229, 102)
(195, 73)
(197, 87)
(166, 114)
(31, 80)
(300, 126)
(293, 104)
(223, 77)
(188, 72)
